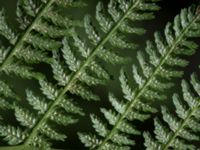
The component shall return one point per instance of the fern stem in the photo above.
(78, 73)
(20, 41)
(142, 90)
(182, 125)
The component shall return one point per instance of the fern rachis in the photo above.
(75, 80)
(19, 44)
(183, 24)
(77, 74)
(49, 37)
(182, 129)
(28, 20)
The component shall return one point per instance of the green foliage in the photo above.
(42, 28)
(181, 130)
(46, 31)
(47, 36)
(158, 66)
(30, 43)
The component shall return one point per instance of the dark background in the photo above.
(169, 9)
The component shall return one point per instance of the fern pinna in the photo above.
(74, 75)
(40, 28)
(161, 62)
(181, 131)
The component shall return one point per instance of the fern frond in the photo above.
(157, 68)
(33, 44)
(64, 114)
(38, 33)
(84, 72)
(73, 74)
(8, 101)
(182, 129)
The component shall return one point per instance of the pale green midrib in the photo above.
(19, 43)
(140, 92)
(76, 75)
(182, 125)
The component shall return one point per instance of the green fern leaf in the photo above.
(40, 30)
(158, 66)
(30, 45)
(74, 75)
(181, 130)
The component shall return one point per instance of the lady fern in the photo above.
(73, 75)
(157, 68)
(181, 130)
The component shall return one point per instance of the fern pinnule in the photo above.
(181, 129)
(75, 75)
(38, 32)
(158, 66)
(41, 29)
(90, 71)
(64, 114)
(8, 101)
